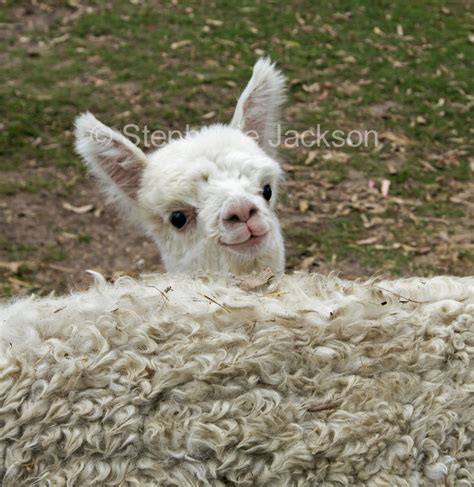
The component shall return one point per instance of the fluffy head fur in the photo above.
(180, 381)
(215, 179)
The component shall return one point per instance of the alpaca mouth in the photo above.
(254, 242)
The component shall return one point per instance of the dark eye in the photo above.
(178, 219)
(267, 192)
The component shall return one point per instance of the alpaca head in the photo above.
(208, 199)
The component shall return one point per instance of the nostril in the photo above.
(233, 218)
(241, 213)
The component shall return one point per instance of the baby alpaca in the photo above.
(208, 199)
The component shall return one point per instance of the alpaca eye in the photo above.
(178, 219)
(267, 192)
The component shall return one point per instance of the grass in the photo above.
(166, 66)
(84, 237)
(31, 185)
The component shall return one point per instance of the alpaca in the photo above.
(208, 199)
(182, 380)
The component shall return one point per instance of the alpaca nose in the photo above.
(241, 212)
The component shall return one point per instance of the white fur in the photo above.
(204, 174)
(192, 381)
(258, 109)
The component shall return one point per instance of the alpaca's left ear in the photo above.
(258, 109)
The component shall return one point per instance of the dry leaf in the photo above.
(303, 206)
(398, 139)
(381, 109)
(208, 116)
(307, 262)
(348, 88)
(13, 267)
(349, 60)
(310, 158)
(70, 236)
(78, 209)
(328, 29)
(336, 156)
(373, 221)
(459, 201)
(253, 281)
(368, 241)
(391, 168)
(18, 283)
(343, 16)
(61, 268)
(179, 44)
(427, 165)
(292, 168)
(299, 19)
(395, 62)
(385, 187)
(312, 88)
(59, 40)
(214, 22)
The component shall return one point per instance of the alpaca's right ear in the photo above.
(116, 162)
(258, 109)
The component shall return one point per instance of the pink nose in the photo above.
(241, 212)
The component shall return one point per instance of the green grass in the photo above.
(54, 253)
(31, 185)
(18, 251)
(84, 237)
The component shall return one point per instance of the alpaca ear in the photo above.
(258, 109)
(116, 162)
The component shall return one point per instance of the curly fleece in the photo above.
(192, 381)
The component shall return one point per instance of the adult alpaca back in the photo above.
(192, 381)
(208, 199)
